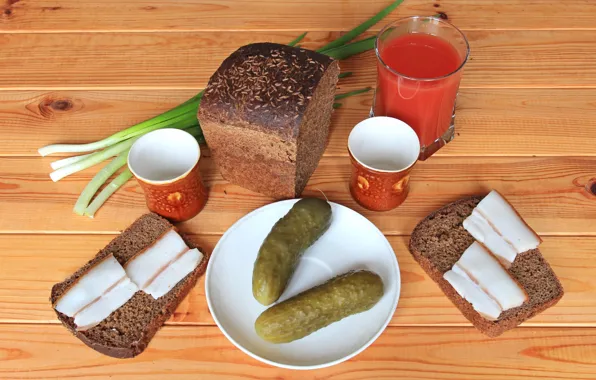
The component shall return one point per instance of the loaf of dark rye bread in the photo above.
(265, 115)
(127, 331)
(439, 241)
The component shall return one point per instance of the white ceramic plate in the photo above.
(352, 242)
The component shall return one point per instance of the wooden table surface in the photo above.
(79, 70)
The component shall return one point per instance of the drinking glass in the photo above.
(427, 104)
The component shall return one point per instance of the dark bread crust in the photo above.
(110, 337)
(529, 269)
(264, 85)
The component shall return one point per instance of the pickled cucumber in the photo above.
(308, 219)
(311, 310)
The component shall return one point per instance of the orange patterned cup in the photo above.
(383, 151)
(166, 165)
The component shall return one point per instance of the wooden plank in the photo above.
(547, 126)
(25, 286)
(48, 15)
(187, 59)
(50, 352)
(553, 194)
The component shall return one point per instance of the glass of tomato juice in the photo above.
(420, 62)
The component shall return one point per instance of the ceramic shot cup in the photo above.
(383, 151)
(165, 162)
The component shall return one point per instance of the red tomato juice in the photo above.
(426, 105)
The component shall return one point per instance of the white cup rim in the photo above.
(387, 122)
(164, 132)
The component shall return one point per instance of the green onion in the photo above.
(361, 28)
(345, 75)
(351, 49)
(196, 132)
(298, 39)
(97, 157)
(93, 159)
(352, 93)
(348, 94)
(107, 191)
(186, 111)
(68, 161)
(99, 180)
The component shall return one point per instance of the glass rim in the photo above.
(441, 21)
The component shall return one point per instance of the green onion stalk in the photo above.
(99, 179)
(357, 31)
(107, 192)
(352, 93)
(297, 40)
(183, 117)
(351, 49)
(184, 112)
(93, 159)
(68, 161)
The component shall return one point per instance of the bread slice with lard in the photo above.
(438, 243)
(129, 327)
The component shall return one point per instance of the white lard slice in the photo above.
(484, 269)
(479, 278)
(99, 310)
(174, 273)
(496, 224)
(468, 290)
(90, 286)
(483, 232)
(147, 265)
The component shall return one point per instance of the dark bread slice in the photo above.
(440, 239)
(127, 331)
(265, 115)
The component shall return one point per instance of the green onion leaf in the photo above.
(99, 179)
(337, 105)
(351, 49)
(345, 75)
(361, 28)
(197, 133)
(107, 191)
(187, 111)
(352, 93)
(298, 39)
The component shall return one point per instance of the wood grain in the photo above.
(79, 70)
(552, 194)
(565, 58)
(24, 289)
(50, 352)
(299, 15)
(491, 122)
